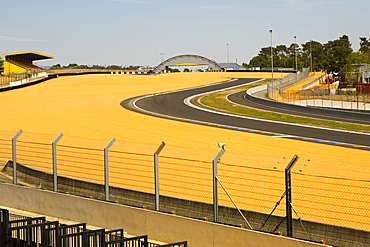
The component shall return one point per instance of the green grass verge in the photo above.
(218, 101)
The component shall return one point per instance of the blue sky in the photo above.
(135, 32)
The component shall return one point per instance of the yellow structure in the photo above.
(20, 62)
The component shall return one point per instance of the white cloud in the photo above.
(8, 38)
(215, 7)
(298, 4)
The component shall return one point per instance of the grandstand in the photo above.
(21, 62)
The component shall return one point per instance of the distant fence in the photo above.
(276, 85)
(9, 80)
(77, 71)
(331, 98)
(339, 98)
(5, 80)
(332, 200)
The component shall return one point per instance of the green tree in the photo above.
(355, 59)
(71, 66)
(263, 59)
(56, 66)
(358, 58)
(114, 67)
(316, 50)
(336, 54)
(364, 45)
(284, 57)
(281, 55)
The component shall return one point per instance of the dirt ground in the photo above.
(86, 109)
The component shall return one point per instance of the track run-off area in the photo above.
(87, 110)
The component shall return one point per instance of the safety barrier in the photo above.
(318, 198)
(134, 73)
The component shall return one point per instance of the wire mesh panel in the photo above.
(6, 145)
(254, 189)
(185, 178)
(131, 170)
(332, 200)
(36, 155)
(81, 163)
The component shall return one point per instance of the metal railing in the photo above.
(5, 80)
(283, 83)
(40, 232)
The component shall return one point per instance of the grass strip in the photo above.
(218, 101)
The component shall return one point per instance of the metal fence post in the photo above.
(14, 155)
(288, 197)
(156, 175)
(215, 182)
(106, 172)
(54, 153)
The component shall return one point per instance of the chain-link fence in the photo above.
(319, 198)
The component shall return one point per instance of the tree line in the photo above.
(108, 67)
(332, 56)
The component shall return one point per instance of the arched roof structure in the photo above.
(187, 60)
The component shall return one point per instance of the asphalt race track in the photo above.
(171, 105)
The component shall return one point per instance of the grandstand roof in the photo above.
(26, 56)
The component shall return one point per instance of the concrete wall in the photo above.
(161, 226)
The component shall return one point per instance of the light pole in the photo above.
(272, 56)
(227, 53)
(295, 51)
(272, 66)
(296, 63)
(311, 64)
(162, 53)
